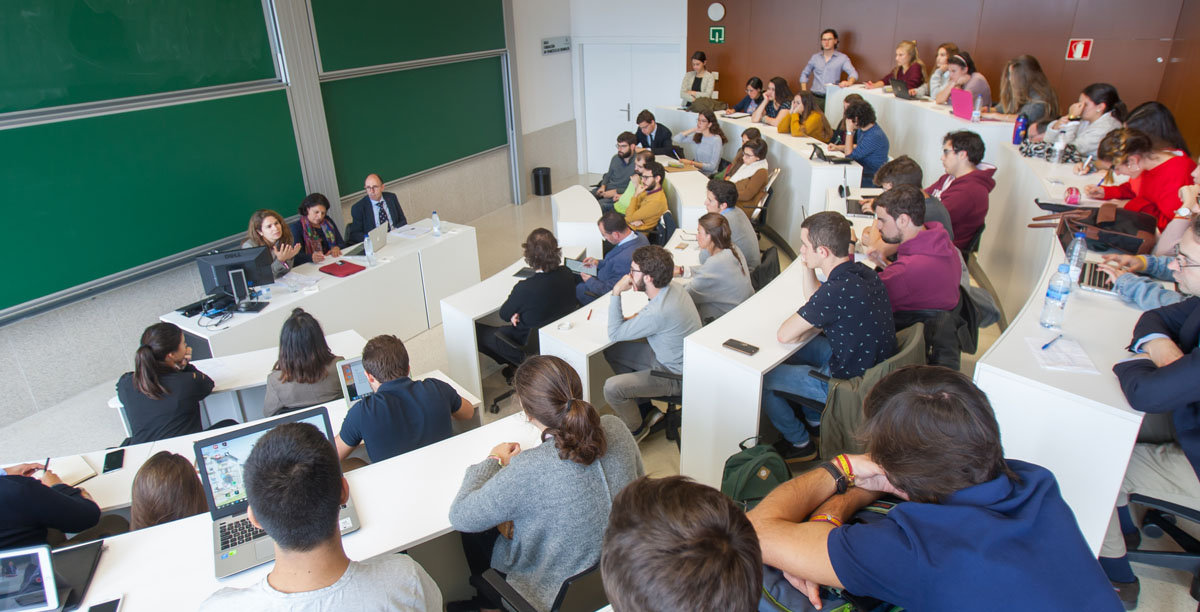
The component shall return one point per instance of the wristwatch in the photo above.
(1184, 212)
(839, 478)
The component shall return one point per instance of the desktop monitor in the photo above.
(253, 263)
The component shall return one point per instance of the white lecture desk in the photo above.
(398, 296)
(686, 192)
(239, 381)
(112, 491)
(802, 182)
(460, 312)
(402, 502)
(580, 340)
(575, 212)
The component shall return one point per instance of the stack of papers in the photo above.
(411, 231)
(1065, 355)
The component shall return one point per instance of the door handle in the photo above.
(625, 110)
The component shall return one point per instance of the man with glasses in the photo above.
(377, 208)
(650, 200)
(620, 170)
(1160, 378)
(662, 324)
(826, 67)
(965, 186)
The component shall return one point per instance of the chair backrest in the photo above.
(767, 270)
(583, 591)
(973, 246)
(843, 409)
(759, 216)
(664, 230)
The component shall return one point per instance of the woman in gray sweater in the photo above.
(538, 515)
(721, 281)
(709, 139)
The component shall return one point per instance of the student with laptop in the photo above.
(675, 544)
(546, 296)
(926, 270)
(36, 507)
(965, 186)
(295, 491)
(909, 70)
(162, 394)
(538, 515)
(903, 170)
(866, 143)
(615, 265)
(401, 414)
(961, 74)
(846, 321)
(305, 374)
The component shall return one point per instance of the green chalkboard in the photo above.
(58, 52)
(358, 33)
(400, 123)
(96, 196)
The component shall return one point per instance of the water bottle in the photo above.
(977, 113)
(1019, 129)
(1054, 311)
(437, 224)
(369, 249)
(1076, 254)
(1060, 148)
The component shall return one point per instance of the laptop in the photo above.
(378, 237)
(900, 89)
(962, 103)
(353, 377)
(819, 153)
(1091, 277)
(237, 544)
(854, 207)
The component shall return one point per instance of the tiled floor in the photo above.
(84, 422)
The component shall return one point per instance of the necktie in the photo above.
(383, 218)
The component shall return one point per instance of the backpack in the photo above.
(752, 473)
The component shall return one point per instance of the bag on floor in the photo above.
(752, 473)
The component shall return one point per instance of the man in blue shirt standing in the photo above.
(826, 67)
(976, 531)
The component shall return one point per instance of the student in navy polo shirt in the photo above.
(402, 414)
(978, 532)
(848, 324)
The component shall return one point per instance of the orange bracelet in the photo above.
(826, 518)
(843, 462)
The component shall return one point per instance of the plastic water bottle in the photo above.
(1055, 309)
(977, 113)
(1019, 129)
(369, 250)
(1060, 148)
(1076, 254)
(437, 224)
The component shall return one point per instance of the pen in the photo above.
(46, 466)
(1052, 341)
(589, 317)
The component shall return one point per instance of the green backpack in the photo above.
(752, 473)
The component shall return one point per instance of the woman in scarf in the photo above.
(316, 232)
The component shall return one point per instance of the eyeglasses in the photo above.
(947, 151)
(633, 270)
(1182, 260)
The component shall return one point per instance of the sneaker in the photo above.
(797, 454)
(650, 421)
(1128, 592)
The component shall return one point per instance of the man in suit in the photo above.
(1161, 379)
(651, 135)
(616, 265)
(377, 208)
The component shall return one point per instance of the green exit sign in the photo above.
(716, 34)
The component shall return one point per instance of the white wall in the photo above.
(630, 18)
(543, 81)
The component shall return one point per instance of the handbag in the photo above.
(1108, 228)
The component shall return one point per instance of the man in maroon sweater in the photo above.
(965, 187)
(926, 269)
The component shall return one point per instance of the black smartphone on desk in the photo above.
(739, 346)
(114, 460)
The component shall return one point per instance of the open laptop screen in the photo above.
(26, 580)
(355, 385)
(221, 459)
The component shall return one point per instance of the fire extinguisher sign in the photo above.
(1079, 49)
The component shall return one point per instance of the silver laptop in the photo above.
(1091, 277)
(353, 377)
(378, 237)
(237, 544)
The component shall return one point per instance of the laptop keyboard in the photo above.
(1092, 276)
(239, 532)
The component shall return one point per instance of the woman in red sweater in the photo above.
(1155, 176)
(909, 68)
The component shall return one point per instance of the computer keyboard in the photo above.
(239, 532)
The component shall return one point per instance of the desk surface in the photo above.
(401, 502)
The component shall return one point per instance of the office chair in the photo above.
(1160, 520)
(758, 214)
(977, 273)
(948, 333)
(664, 230)
(672, 420)
(531, 347)
(767, 269)
(839, 426)
(583, 591)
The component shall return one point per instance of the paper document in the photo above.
(1064, 355)
(214, 368)
(411, 231)
(72, 470)
(736, 115)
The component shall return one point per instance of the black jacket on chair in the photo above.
(540, 299)
(363, 218)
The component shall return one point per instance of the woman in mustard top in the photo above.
(806, 119)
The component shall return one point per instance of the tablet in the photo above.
(27, 580)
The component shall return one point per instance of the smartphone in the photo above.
(114, 460)
(108, 606)
(739, 346)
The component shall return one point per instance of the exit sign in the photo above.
(716, 34)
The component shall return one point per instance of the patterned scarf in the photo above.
(317, 239)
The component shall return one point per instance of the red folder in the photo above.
(341, 269)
